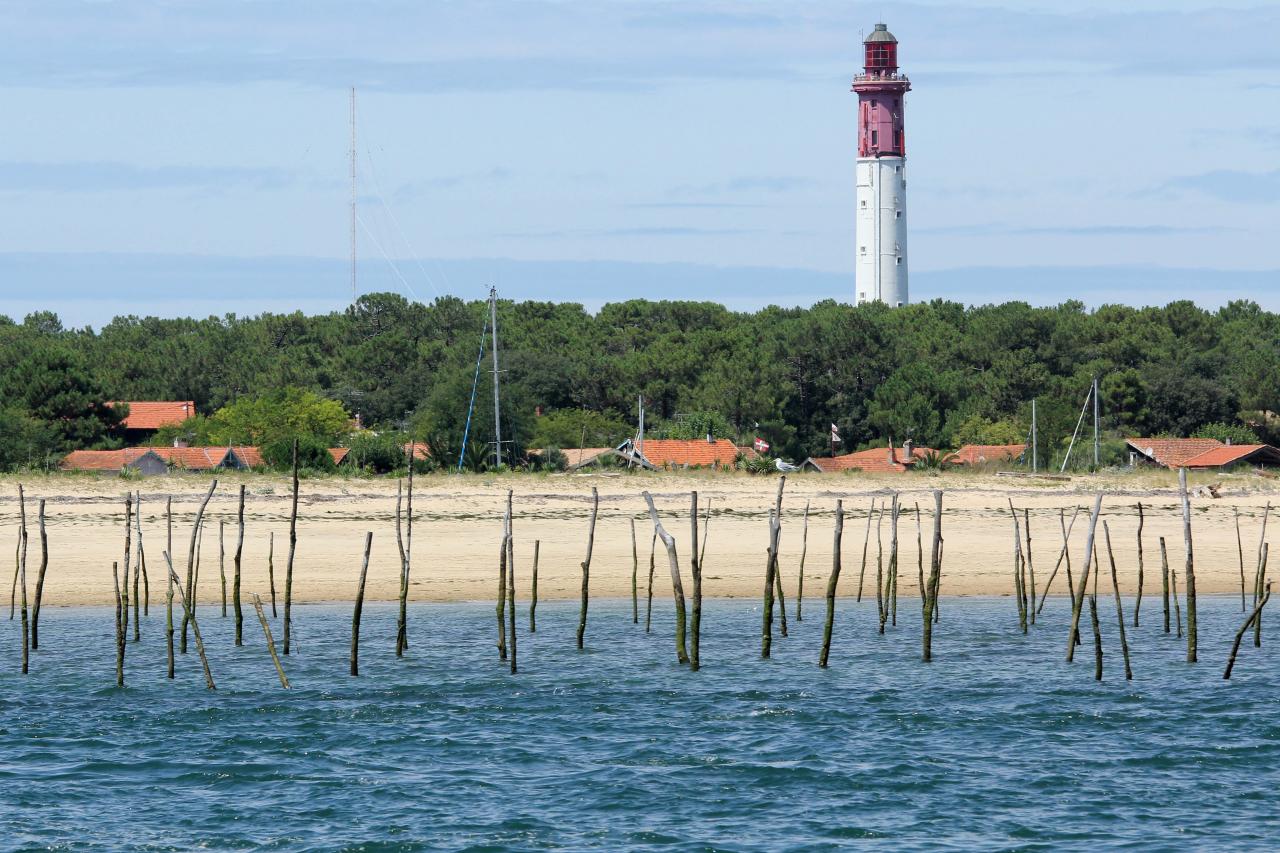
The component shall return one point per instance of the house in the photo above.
(674, 453)
(147, 416)
(1200, 453)
(579, 458)
(985, 454)
(878, 459)
(164, 460)
(140, 459)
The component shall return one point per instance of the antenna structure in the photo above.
(354, 292)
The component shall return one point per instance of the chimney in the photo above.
(1228, 442)
(710, 440)
(892, 460)
(906, 450)
(179, 442)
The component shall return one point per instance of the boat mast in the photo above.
(497, 410)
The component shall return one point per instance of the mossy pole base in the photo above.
(1192, 635)
(832, 583)
(1078, 605)
(1253, 617)
(271, 643)
(358, 609)
(195, 626)
(677, 588)
(586, 566)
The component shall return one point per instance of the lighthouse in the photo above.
(881, 223)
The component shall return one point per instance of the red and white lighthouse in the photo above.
(881, 224)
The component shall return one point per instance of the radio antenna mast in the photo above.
(354, 292)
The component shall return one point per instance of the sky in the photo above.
(192, 158)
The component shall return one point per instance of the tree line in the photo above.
(939, 373)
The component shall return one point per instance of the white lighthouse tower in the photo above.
(881, 232)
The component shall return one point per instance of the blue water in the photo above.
(998, 745)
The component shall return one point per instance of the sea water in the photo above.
(998, 744)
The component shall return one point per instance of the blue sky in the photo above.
(173, 158)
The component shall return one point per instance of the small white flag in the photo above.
(835, 434)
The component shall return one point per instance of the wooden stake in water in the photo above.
(22, 579)
(501, 607)
(586, 565)
(648, 608)
(271, 570)
(128, 554)
(1019, 592)
(191, 562)
(695, 623)
(893, 563)
(168, 618)
(920, 554)
(1192, 644)
(511, 599)
(771, 570)
(533, 594)
(293, 547)
(137, 570)
(222, 564)
(359, 605)
(1164, 579)
(1137, 604)
(271, 643)
(635, 573)
(402, 635)
(1253, 617)
(866, 540)
(1115, 585)
(1240, 549)
(1177, 608)
(935, 570)
(804, 550)
(1257, 623)
(882, 603)
(235, 590)
(677, 588)
(1097, 634)
(1030, 564)
(120, 606)
(1063, 555)
(44, 564)
(191, 617)
(1078, 604)
(832, 582)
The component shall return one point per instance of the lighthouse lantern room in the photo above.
(881, 223)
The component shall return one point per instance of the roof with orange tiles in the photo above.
(338, 454)
(420, 450)
(694, 452)
(1229, 454)
(875, 459)
(250, 457)
(1173, 452)
(194, 458)
(978, 454)
(153, 414)
(102, 460)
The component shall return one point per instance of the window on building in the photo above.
(875, 137)
(862, 250)
(864, 202)
(899, 260)
(897, 169)
(897, 214)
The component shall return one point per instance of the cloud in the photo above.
(1073, 230)
(109, 177)
(417, 189)
(771, 184)
(1228, 185)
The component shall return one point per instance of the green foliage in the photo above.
(379, 453)
(579, 428)
(932, 460)
(1227, 433)
(313, 455)
(278, 416)
(196, 431)
(695, 425)
(552, 459)
(979, 430)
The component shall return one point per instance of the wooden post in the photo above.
(1192, 644)
(402, 640)
(920, 555)
(1240, 549)
(271, 570)
(1078, 604)
(832, 582)
(586, 565)
(359, 605)
(866, 540)
(511, 599)
(771, 566)
(128, 555)
(1062, 555)
(935, 570)
(501, 606)
(1253, 617)
(882, 604)
(44, 564)
(1257, 623)
(677, 588)
(648, 609)
(22, 579)
(137, 571)
(293, 547)
(1019, 593)
(168, 619)
(404, 581)
(1137, 604)
(191, 617)
(191, 562)
(235, 591)
(533, 595)
(271, 643)
(1115, 585)
(635, 573)
(804, 550)
(706, 528)
(142, 559)
(1097, 634)
(115, 584)
(695, 623)
(1031, 566)
(222, 564)
(1177, 609)
(893, 563)
(780, 596)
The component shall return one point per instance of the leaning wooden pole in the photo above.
(128, 556)
(1164, 577)
(168, 618)
(1115, 586)
(1253, 617)
(677, 588)
(695, 567)
(293, 547)
(1262, 570)
(866, 541)
(191, 562)
(771, 567)
(22, 580)
(235, 587)
(1031, 566)
(935, 570)
(1062, 555)
(586, 566)
(402, 641)
(1078, 604)
(533, 588)
(635, 573)
(115, 584)
(44, 564)
(500, 608)
(271, 571)
(1019, 592)
(648, 608)
(191, 617)
(1240, 550)
(804, 550)
(271, 642)
(832, 583)
(511, 600)
(1192, 644)
(1137, 604)
(358, 609)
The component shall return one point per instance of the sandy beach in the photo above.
(458, 523)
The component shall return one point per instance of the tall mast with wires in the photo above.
(497, 411)
(353, 195)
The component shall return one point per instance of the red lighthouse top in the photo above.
(880, 88)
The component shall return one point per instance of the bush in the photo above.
(553, 459)
(380, 454)
(1227, 433)
(313, 455)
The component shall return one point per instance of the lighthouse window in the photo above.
(897, 170)
(899, 260)
(897, 214)
(875, 137)
(864, 202)
(862, 250)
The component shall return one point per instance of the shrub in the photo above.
(313, 455)
(380, 454)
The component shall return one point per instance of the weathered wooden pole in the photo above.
(1240, 549)
(1177, 608)
(706, 528)
(1097, 634)
(1262, 571)
(695, 621)
(1137, 604)
(359, 605)
(142, 560)
(1262, 538)
(1115, 585)
(832, 582)
(511, 599)
(1019, 593)
(1164, 578)
(222, 563)
(935, 569)
(586, 566)
(533, 593)
(882, 603)
(804, 550)
(500, 607)
(677, 588)
(1078, 604)
(1253, 617)
(1062, 555)
(137, 571)
(1192, 644)
(1031, 566)
(866, 540)
(635, 573)
(191, 617)
(271, 643)
(128, 555)
(168, 619)
(771, 570)
(271, 570)
(22, 579)
(192, 546)
(779, 596)
(44, 564)
(893, 563)
(293, 547)
(402, 636)
(115, 583)
(235, 591)
(648, 609)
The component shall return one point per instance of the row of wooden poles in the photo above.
(688, 621)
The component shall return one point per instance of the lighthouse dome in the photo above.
(880, 34)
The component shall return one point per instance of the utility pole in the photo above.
(1035, 462)
(353, 195)
(1097, 444)
(640, 448)
(497, 411)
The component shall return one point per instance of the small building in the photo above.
(878, 459)
(1200, 453)
(146, 417)
(676, 453)
(1230, 455)
(140, 459)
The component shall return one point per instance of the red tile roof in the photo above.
(338, 454)
(695, 452)
(875, 459)
(1228, 454)
(1173, 452)
(194, 458)
(153, 414)
(101, 460)
(250, 457)
(978, 454)
(420, 450)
